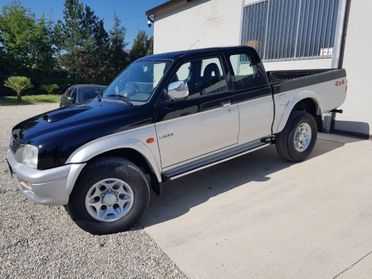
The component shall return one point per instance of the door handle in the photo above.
(226, 104)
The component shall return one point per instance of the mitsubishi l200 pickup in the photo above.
(166, 116)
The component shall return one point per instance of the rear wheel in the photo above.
(109, 196)
(296, 142)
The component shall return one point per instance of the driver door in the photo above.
(205, 121)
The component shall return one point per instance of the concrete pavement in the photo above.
(260, 217)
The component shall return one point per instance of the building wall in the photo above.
(197, 25)
(298, 64)
(357, 116)
(211, 23)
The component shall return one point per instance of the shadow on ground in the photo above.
(179, 196)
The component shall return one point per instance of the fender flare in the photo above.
(79, 158)
(299, 96)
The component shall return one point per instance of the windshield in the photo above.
(138, 81)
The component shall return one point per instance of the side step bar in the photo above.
(212, 160)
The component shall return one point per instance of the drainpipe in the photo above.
(338, 59)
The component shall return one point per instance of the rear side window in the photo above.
(203, 76)
(246, 74)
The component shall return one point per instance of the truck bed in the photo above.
(293, 79)
(327, 87)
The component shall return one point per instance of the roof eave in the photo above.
(167, 5)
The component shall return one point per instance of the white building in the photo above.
(288, 34)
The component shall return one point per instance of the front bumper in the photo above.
(50, 187)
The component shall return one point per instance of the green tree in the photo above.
(42, 42)
(49, 88)
(26, 40)
(142, 46)
(2, 51)
(68, 39)
(82, 43)
(118, 57)
(150, 45)
(18, 84)
(2, 55)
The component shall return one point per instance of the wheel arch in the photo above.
(136, 158)
(305, 101)
(129, 148)
(309, 105)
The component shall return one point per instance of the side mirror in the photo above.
(178, 90)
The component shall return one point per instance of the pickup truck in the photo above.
(166, 116)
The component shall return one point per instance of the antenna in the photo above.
(194, 44)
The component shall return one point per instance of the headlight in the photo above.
(27, 154)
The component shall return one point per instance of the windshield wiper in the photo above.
(121, 97)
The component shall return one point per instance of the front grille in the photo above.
(14, 144)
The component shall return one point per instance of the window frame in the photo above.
(74, 91)
(68, 92)
(225, 67)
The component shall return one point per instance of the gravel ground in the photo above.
(42, 242)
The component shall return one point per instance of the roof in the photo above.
(166, 5)
(201, 51)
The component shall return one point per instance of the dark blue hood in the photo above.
(60, 132)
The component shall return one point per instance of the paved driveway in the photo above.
(260, 217)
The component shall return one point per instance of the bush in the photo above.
(49, 88)
(18, 84)
(29, 100)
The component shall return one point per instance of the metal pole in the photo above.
(267, 26)
(329, 125)
(298, 27)
(338, 33)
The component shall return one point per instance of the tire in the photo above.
(286, 142)
(117, 187)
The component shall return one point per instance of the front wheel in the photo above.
(109, 196)
(296, 142)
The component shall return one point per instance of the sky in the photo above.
(131, 12)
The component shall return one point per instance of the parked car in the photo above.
(166, 116)
(80, 93)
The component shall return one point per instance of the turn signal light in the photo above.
(150, 140)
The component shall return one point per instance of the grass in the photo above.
(29, 100)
